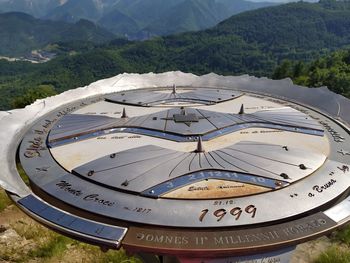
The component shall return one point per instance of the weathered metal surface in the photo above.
(106, 234)
(151, 165)
(220, 197)
(220, 242)
(148, 98)
(182, 125)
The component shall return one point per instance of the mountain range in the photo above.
(136, 19)
(21, 33)
(253, 42)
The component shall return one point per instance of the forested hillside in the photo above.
(140, 19)
(255, 42)
(332, 71)
(21, 33)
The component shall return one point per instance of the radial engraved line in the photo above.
(179, 163)
(284, 124)
(126, 164)
(195, 97)
(189, 166)
(282, 121)
(166, 120)
(206, 118)
(207, 160)
(292, 164)
(171, 158)
(240, 120)
(232, 117)
(216, 160)
(248, 163)
(89, 128)
(161, 98)
(146, 119)
(258, 143)
(229, 162)
(145, 95)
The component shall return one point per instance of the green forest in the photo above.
(294, 40)
(332, 71)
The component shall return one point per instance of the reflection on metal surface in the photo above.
(210, 189)
(153, 165)
(99, 233)
(149, 98)
(189, 171)
(175, 124)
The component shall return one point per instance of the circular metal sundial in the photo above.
(190, 172)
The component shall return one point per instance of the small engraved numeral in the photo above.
(204, 212)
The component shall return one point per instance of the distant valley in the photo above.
(21, 33)
(254, 42)
(136, 19)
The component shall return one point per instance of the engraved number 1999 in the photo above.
(236, 212)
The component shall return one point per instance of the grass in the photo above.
(334, 254)
(340, 251)
(342, 236)
(41, 245)
(22, 173)
(55, 247)
(4, 200)
(107, 257)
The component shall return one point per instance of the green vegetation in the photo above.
(142, 19)
(4, 200)
(339, 252)
(30, 95)
(255, 42)
(22, 33)
(334, 255)
(332, 71)
(56, 246)
(38, 244)
(343, 236)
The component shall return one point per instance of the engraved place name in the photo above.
(322, 188)
(343, 152)
(198, 188)
(235, 212)
(35, 147)
(230, 186)
(259, 107)
(261, 132)
(92, 198)
(335, 135)
(38, 143)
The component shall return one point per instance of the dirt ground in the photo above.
(15, 247)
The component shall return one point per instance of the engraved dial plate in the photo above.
(196, 162)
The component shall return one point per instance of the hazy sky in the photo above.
(282, 1)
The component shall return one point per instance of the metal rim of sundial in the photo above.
(177, 237)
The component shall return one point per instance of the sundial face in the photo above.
(185, 170)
